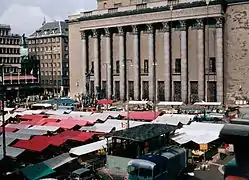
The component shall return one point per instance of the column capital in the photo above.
(107, 32)
(166, 27)
(183, 25)
(134, 30)
(95, 33)
(83, 35)
(120, 31)
(199, 23)
(219, 22)
(150, 28)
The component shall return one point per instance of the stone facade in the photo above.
(174, 54)
(236, 51)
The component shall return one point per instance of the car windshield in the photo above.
(132, 170)
(146, 173)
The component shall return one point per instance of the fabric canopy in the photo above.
(105, 101)
(37, 171)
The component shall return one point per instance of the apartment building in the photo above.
(173, 50)
(49, 45)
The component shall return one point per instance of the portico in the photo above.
(162, 56)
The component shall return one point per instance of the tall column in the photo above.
(96, 61)
(151, 57)
(167, 81)
(184, 72)
(108, 62)
(84, 61)
(122, 61)
(201, 61)
(219, 60)
(137, 94)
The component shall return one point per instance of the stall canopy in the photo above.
(59, 160)
(170, 103)
(88, 148)
(137, 102)
(37, 171)
(141, 115)
(143, 132)
(200, 133)
(111, 124)
(208, 103)
(105, 101)
(174, 119)
(62, 101)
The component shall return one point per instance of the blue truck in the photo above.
(167, 163)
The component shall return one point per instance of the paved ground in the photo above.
(211, 174)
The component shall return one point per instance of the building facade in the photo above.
(159, 50)
(49, 46)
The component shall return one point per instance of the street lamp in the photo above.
(2, 109)
(129, 63)
(207, 88)
(107, 67)
(154, 88)
(171, 24)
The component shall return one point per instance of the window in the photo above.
(161, 91)
(194, 91)
(131, 90)
(146, 66)
(178, 65)
(177, 91)
(117, 89)
(212, 65)
(145, 86)
(92, 67)
(117, 67)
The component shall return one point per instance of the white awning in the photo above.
(138, 102)
(169, 103)
(58, 161)
(208, 103)
(200, 133)
(45, 128)
(80, 113)
(88, 148)
(173, 119)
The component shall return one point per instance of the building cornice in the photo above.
(145, 10)
(47, 36)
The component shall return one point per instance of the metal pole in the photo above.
(207, 3)
(154, 89)
(52, 59)
(3, 118)
(171, 13)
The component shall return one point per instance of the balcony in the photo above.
(210, 71)
(176, 71)
(144, 72)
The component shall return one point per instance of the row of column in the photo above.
(152, 63)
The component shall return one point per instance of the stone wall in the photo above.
(236, 56)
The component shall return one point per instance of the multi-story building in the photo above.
(169, 50)
(16, 84)
(49, 46)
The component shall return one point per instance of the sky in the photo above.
(26, 16)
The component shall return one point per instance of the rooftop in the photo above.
(143, 132)
(56, 28)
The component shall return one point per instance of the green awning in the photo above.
(37, 171)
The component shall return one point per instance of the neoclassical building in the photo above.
(158, 50)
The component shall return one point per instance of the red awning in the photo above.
(7, 129)
(68, 124)
(37, 143)
(235, 178)
(28, 117)
(141, 115)
(105, 101)
(61, 138)
(15, 78)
